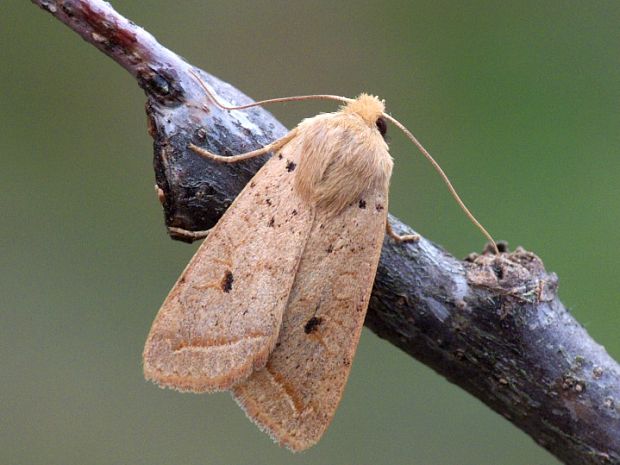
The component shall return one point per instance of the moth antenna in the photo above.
(297, 98)
(445, 178)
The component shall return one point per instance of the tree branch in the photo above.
(490, 324)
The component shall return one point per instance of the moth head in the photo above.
(370, 109)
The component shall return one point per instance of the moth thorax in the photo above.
(342, 157)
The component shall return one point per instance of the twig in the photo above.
(490, 324)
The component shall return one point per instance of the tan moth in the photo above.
(272, 304)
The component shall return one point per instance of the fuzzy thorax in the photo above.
(343, 154)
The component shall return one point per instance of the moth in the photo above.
(272, 304)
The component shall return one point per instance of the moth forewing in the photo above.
(294, 397)
(221, 319)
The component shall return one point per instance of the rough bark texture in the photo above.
(490, 324)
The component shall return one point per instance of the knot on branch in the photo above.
(518, 275)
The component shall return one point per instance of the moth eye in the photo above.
(381, 125)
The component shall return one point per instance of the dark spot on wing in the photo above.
(227, 281)
(362, 203)
(268, 202)
(290, 166)
(330, 249)
(312, 324)
(294, 212)
(279, 156)
(271, 222)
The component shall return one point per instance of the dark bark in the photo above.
(490, 324)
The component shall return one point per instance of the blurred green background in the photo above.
(519, 102)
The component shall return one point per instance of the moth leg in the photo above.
(273, 147)
(397, 237)
(187, 234)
